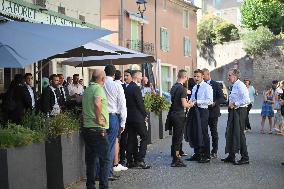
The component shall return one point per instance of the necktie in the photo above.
(196, 91)
(62, 93)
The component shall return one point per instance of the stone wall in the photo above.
(260, 69)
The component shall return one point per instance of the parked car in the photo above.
(225, 92)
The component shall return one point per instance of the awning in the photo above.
(23, 43)
(122, 59)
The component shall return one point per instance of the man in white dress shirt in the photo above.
(76, 89)
(238, 101)
(117, 109)
(202, 97)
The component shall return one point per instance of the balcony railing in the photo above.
(148, 48)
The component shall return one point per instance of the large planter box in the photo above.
(64, 160)
(162, 121)
(23, 167)
(153, 127)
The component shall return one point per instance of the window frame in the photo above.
(164, 39)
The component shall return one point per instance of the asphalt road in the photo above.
(264, 171)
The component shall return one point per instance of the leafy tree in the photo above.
(269, 13)
(258, 41)
(211, 31)
(205, 31)
(225, 32)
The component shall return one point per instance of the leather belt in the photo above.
(96, 130)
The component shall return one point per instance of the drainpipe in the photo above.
(121, 30)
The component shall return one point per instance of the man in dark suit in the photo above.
(50, 102)
(25, 98)
(214, 110)
(135, 123)
(124, 135)
(64, 93)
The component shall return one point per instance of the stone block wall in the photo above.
(261, 70)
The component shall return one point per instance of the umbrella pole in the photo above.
(160, 76)
(41, 77)
(82, 66)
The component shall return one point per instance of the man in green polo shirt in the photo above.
(96, 121)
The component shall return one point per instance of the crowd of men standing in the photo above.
(204, 110)
(114, 116)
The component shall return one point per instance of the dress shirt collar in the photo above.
(209, 81)
(202, 82)
(109, 78)
(236, 82)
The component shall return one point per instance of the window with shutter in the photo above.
(164, 39)
(185, 18)
(187, 46)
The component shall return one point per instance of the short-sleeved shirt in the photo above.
(94, 90)
(177, 92)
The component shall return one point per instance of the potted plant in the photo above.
(155, 105)
(64, 151)
(22, 158)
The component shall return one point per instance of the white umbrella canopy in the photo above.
(23, 43)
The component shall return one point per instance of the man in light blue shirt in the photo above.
(238, 102)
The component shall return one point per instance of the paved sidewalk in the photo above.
(264, 171)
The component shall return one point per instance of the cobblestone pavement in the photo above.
(264, 171)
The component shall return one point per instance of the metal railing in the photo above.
(148, 48)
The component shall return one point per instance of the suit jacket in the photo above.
(23, 100)
(134, 102)
(27, 99)
(64, 101)
(193, 131)
(218, 97)
(48, 99)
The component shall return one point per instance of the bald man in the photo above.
(96, 123)
(214, 110)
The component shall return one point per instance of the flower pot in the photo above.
(154, 127)
(23, 167)
(162, 121)
(65, 163)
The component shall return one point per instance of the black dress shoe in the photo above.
(181, 153)
(178, 163)
(130, 165)
(241, 162)
(112, 178)
(204, 160)
(228, 160)
(195, 157)
(213, 155)
(143, 165)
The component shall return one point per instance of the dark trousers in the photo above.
(133, 130)
(247, 118)
(243, 146)
(178, 121)
(96, 149)
(205, 150)
(213, 122)
(123, 146)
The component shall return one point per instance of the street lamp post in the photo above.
(142, 8)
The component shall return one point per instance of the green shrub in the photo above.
(16, 136)
(64, 123)
(155, 103)
(258, 41)
(225, 32)
(33, 120)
